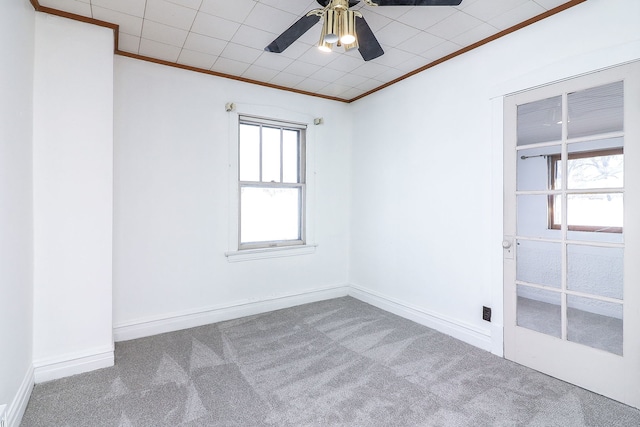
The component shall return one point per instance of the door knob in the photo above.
(506, 244)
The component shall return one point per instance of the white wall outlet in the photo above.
(3, 416)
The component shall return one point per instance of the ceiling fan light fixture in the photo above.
(330, 27)
(348, 27)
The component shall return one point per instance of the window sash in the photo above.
(300, 185)
(553, 166)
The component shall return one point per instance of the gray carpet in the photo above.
(332, 363)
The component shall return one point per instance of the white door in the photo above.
(572, 231)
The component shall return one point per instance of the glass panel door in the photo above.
(571, 305)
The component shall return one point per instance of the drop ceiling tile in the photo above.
(345, 63)
(233, 10)
(413, 64)
(252, 37)
(213, 26)
(352, 80)
(425, 17)
(476, 34)
(441, 50)
(392, 57)
(392, 12)
(163, 33)
(128, 43)
(369, 69)
(196, 59)
(273, 62)
(229, 66)
(303, 69)
(154, 49)
(255, 72)
(420, 43)
(316, 56)
(270, 19)
(335, 89)
(352, 93)
(390, 74)
(454, 25)
(517, 15)
(489, 9)
(192, 4)
(129, 24)
(240, 53)
(375, 21)
(550, 4)
(171, 14)
(370, 84)
(204, 44)
(297, 7)
(72, 6)
(311, 85)
(130, 7)
(327, 75)
(395, 33)
(286, 79)
(296, 50)
(466, 3)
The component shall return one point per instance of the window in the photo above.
(271, 183)
(596, 210)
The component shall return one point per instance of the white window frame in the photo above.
(279, 117)
(301, 184)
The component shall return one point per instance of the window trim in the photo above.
(301, 128)
(553, 160)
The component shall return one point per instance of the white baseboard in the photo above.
(177, 321)
(459, 330)
(16, 409)
(72, 364)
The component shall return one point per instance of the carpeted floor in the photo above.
(333, 363)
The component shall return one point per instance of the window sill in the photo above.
(284, 251)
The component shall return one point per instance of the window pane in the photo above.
(595, 270)
(539, 310)
(540, 121)
(539, 263)
(249, 153)
(602, 211)
(598, 171)
(533, 216)
(270, 154)
(533, 168)
(269, 214)
(596, 110)
(595, 323)
(290, 157)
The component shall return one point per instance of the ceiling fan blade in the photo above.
(417, 2)
(292, 33)
(367, 43)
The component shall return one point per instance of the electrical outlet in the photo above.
(3, 416)
(486, 313)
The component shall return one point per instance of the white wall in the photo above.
(16, 251)
(73, 180)
(427, 166)
(174, 200)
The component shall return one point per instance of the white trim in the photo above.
(460, 330)
(16, 409)
(281, 251)
(72, 364)
(189, 319)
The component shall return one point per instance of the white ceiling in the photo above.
(229, 36)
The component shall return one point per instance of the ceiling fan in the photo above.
(344, 27)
